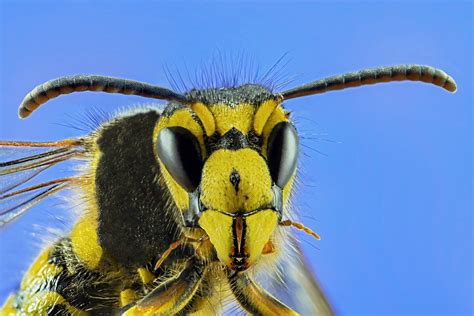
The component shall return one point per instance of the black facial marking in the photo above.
(239, 256)
(171, 108)
(248, 93)
(232, 140)
(255, 141)
(234, 178)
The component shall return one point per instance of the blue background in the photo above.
(385, 170)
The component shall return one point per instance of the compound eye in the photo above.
(178, 149)
(282, 153)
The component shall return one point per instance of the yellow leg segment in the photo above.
(255, 300)
(172, 296)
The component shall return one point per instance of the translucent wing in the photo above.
(296, 285)
(302, 288)
(21, 162)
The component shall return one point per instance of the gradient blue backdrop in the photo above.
(391, 195)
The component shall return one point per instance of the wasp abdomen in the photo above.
(58, 284)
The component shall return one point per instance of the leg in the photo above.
(172, 296)
(201, 302)
(255, 299)
(210, 297)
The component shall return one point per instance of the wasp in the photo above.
(185, 209)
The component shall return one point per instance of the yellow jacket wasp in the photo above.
(184, 207)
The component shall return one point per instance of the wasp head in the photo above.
(229, 160)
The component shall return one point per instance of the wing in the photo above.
(296, 285)
(302, 288)
(21, 163)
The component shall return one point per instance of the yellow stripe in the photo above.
(7, 309)
(40, 303)
(85, 241)
(41, 263)
(263, 113)
(206, 117)
(40, 273)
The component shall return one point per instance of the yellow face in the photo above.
(240, 207)
(234, 185)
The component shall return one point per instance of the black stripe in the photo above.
(81, 288)
(253, 94)
(232, 140)
(234, 234)
(57, 310)
(244, 233)
(236, 254)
